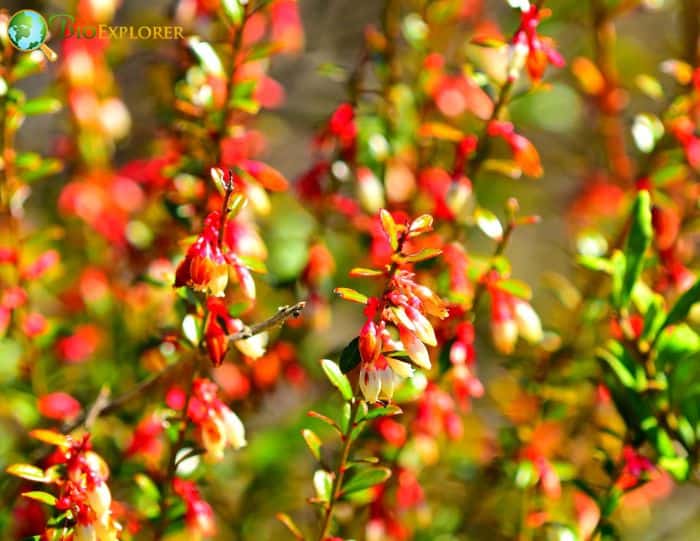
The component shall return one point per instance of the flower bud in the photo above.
(504, 335)
(529, 326)
(235, 431)
(370, 191)
(387, 380)
(100, 498)
(370, 384)
(400, 368)
(253, 347)
(85, 533)
(369, 343)
(415, 348)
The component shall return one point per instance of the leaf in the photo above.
(422, 224)
(325, 419)
(41, 496)
(350, 356)
(190, 329)
(515, 287)
(41, 106)
(337, 378)
(389, 226)
(488, 223)
(206, 56)
(628, 372)
(638, 242)
(366, 479)
(440, 130)
(350, 295)
(253, 264)
(595, 263)
(27, 471)
(233, 10)
(323, 484)
(313, 442)
(289, 523)
(422, 255)
(50, 436)
(680, 310)
(385, 411)
(360, 272)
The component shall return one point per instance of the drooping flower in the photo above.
(217, 425)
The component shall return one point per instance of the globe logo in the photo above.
(27, 30)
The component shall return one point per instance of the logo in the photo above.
(28, 31)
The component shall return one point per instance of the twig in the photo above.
(103, 406)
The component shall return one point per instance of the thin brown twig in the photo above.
(101, 406)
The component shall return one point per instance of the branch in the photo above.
(103, 406)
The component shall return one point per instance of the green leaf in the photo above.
(366, 479)
(41, 496)
(425, 253)
(488, 223)
(360, 272)
(515, 287)
(233, 10)
(41, 106)
(337, 378)
(350, 295)
(629, 373)
(389, 226)
(289, 523)
(206, 56)
(638, 241)
(680, 310)
(350, 356)
(385, 411)
(677, 466)
(27, 471)
(323, 484)
(313, 442)
(330, 422)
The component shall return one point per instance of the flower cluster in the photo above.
(80, 476)
(536, 50)
(403, 307)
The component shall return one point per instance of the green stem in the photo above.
(340, 471)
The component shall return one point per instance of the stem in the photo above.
(283, 314)
(172, 463)
(340, 471)
(612, 126)
(484, 143)
(481, 286)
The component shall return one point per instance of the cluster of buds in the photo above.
(511, 317)
(217, 425)
(530, 48)
(14, 298)
(205, 266)
(524, 152)
(199, 516)
(403, 307)
(81, 477)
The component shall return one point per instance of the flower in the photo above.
(535, 50)
(204, 267)
(199, 515)
(217, 425)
